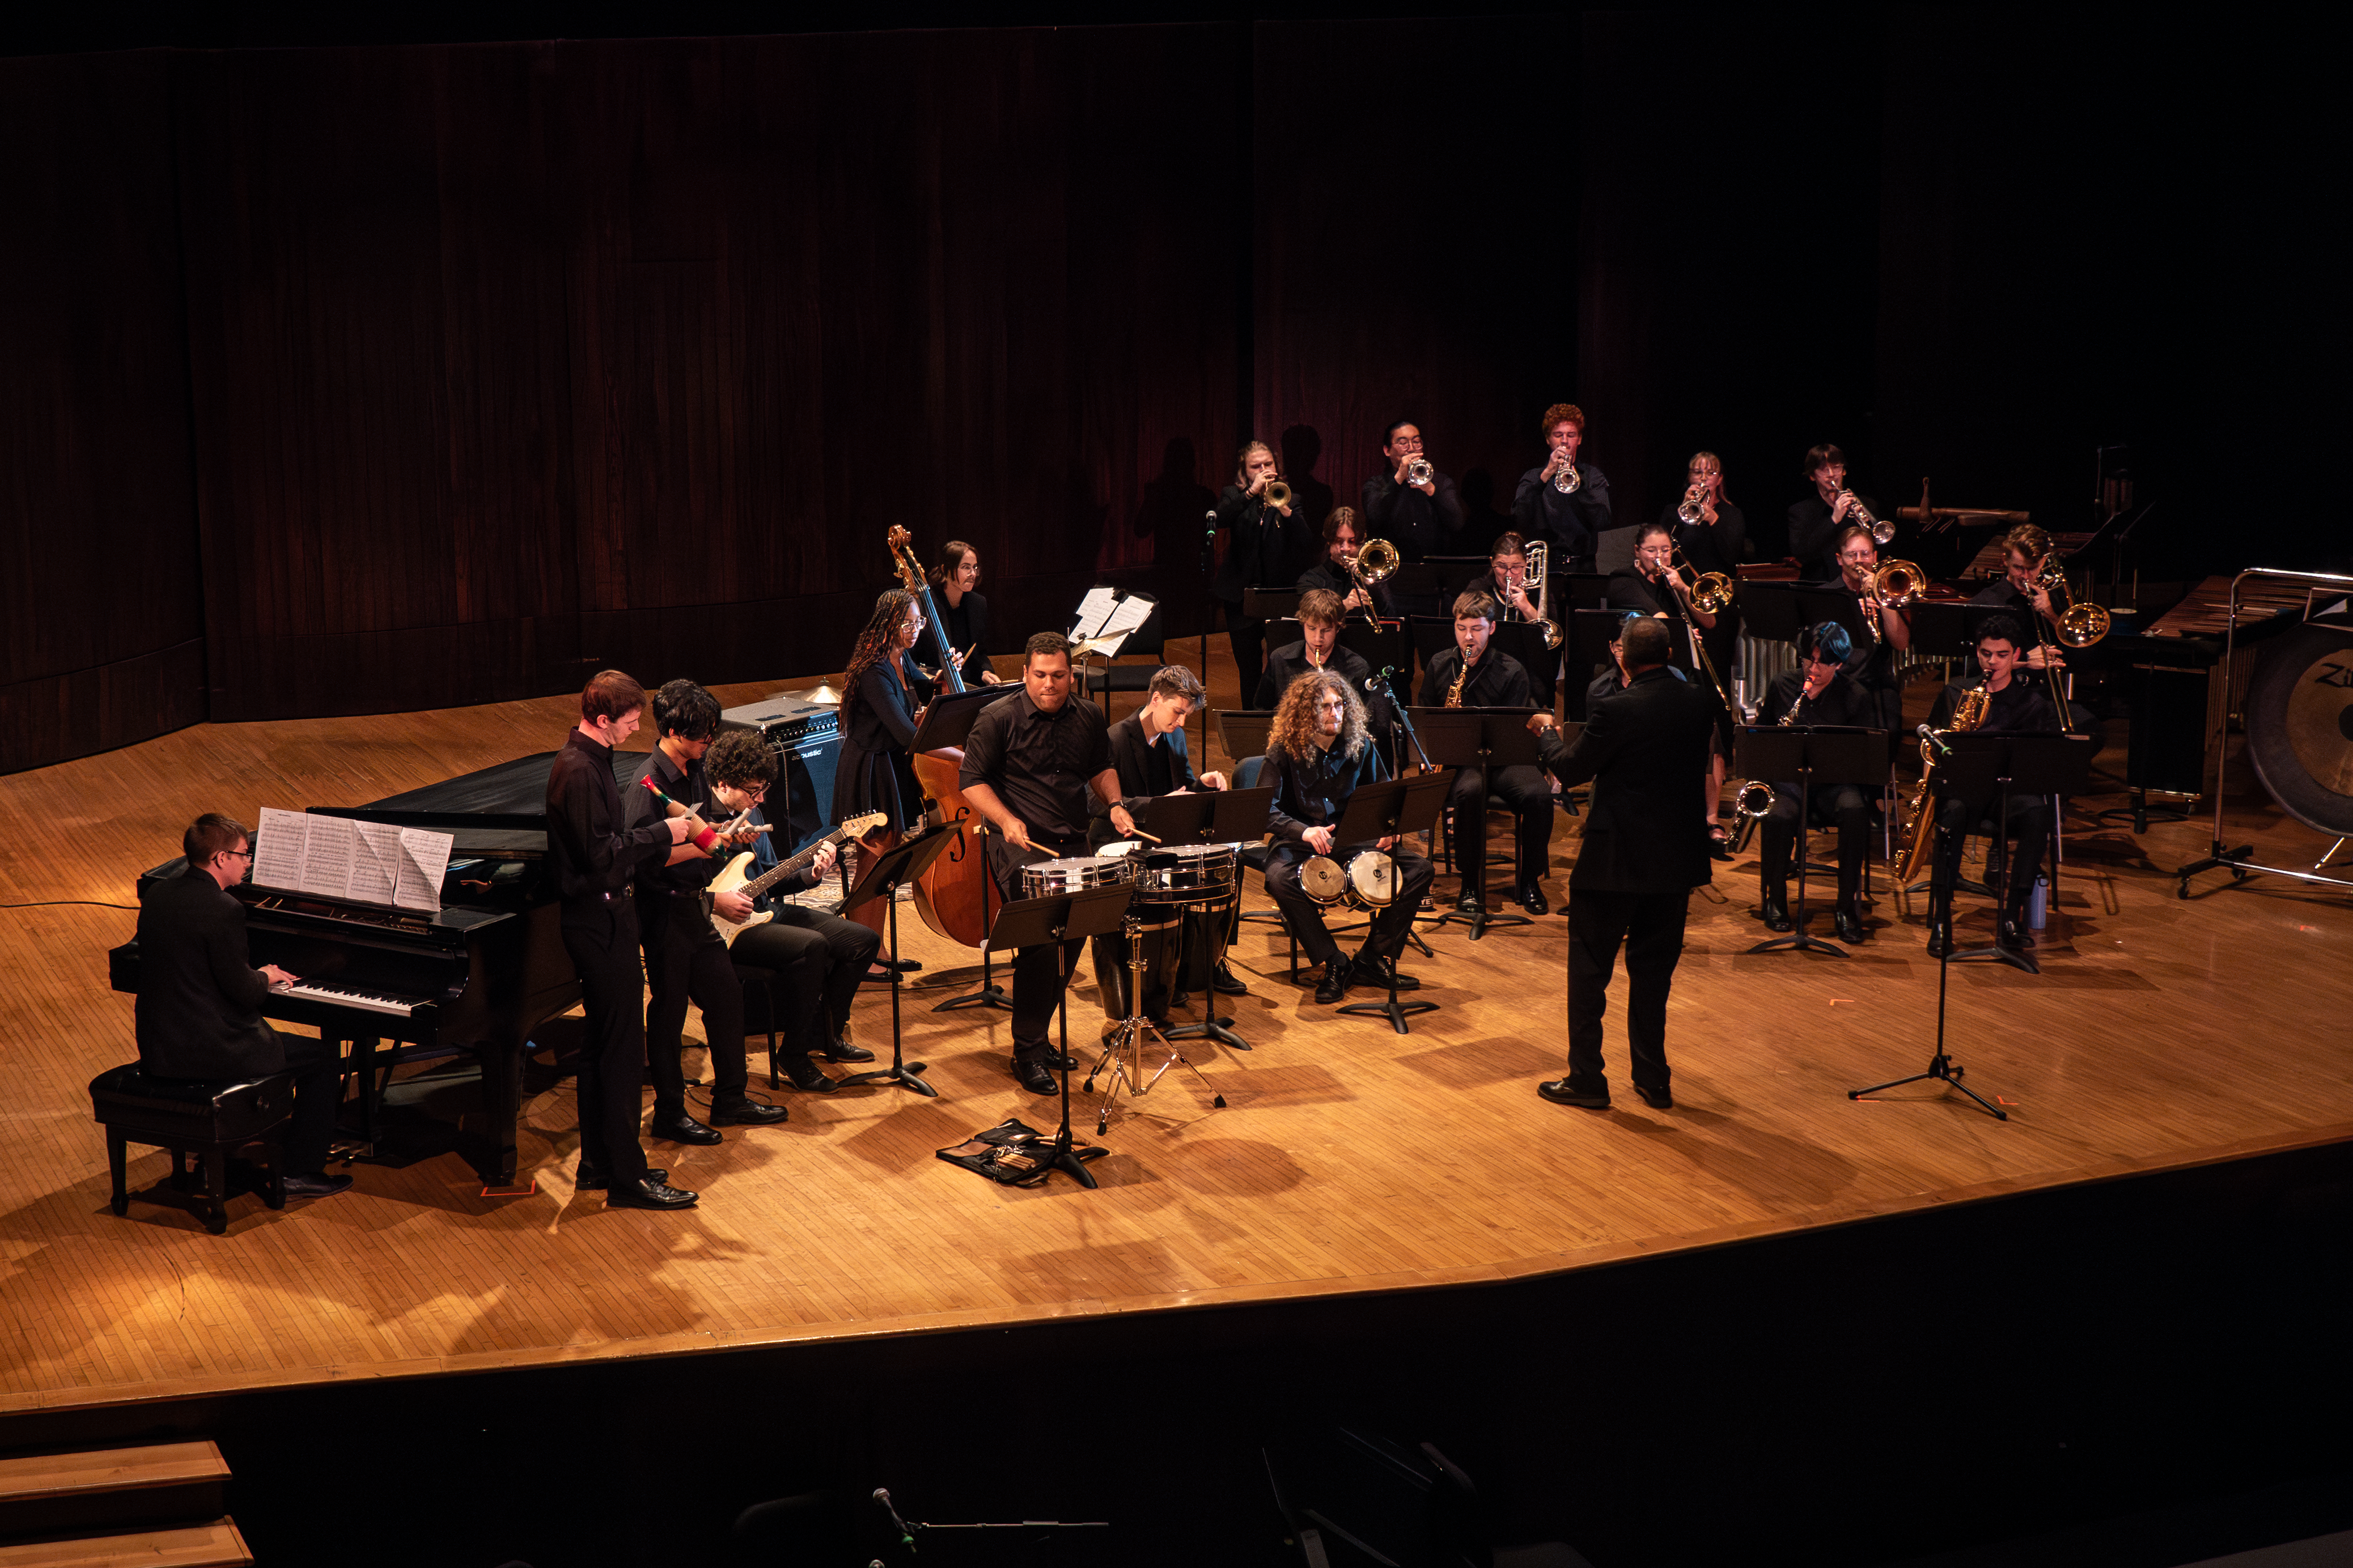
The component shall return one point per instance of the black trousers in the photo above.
(1040, 973)
(2029, 822)
(1840, 804)
(1305, 916)
(818, 960)
(1650, 928)
(686, 960)
(601, 937)
(318, 1068)
(1524, 787)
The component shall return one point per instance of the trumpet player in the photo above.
(1575, 516)
(1814, 522)
(1817, 692)
(1410, 504)
(1713, 537)
(1474, 674)
(1335, 573)
(1887, 629)
(1265, 548)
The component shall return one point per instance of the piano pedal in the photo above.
(349, 1149)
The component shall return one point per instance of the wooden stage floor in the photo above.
(2161, 1033)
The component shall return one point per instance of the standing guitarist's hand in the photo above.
(826, 855)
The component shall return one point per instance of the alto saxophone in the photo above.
(1967, 715)
(1454, 692)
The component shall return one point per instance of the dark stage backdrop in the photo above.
(349, 380)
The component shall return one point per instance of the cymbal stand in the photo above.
(1940, 1066)
(1122, 1054)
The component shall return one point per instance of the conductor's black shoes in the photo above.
(1656, 1098)
(1559, 1093)
(589, 1179)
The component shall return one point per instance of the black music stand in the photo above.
(1974, 766)
(892, 869)
(1393, 807)
(1414, 583)
(1272, 604)
(1486, 739)
(1388, 646)
(1061, 918)
(1811, 754)
(946, 721)
(1770, 612)
(1216, 817)
(1456, 573)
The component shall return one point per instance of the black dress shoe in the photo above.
(1175, 999)
(903, 966)
(1849, 923)
(1224, 982)
(1561, 1091)
(1334, 985)
(649, 1194)
(1719, 844)
(1469, 904)
(843, 1051)
(2015, 934)
(1031, 1075)
(681, 1129)
(314, 1185)
(1776, 915)
(1532, 898)
(744, 1111)
(1940, 938)
(1059, 1061)
(1368, 970)
(589, 1179)
(1656, 1098)
(803, 1073)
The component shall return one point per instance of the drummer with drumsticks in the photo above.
(1317, 754)
(1033, 764)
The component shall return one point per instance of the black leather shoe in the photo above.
(1849, 922)
(589, 1179)
(1719, 844)
(314, 1185)
(1775, 915)
(1031, 1075)
(1223, 981)
(903, 966)
(1940, 938)
(744, 1111)
(1532, 898)
(649, 1194)
(1057, 1061)
(803, 1073)
(681, 1129)
(1561, 1092)
(1175, 999)
(1468, 904)
(2015, 934)
(843, 1051)
(1375, 972)
(1656, 1098)
(1334, 985)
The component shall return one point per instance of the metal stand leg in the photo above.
(1940, 1066)
(990, 995)
(901, 1072)
(1123, 1056)
(1803, 940)
(1212, 1026)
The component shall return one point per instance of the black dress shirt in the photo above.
(1813, 538)
(1416, 523)
(1313, 791)
(1628, 589)
(593, 846)
(198, 1014)
(1289, 662)
(1841, 702)
(1498, 680)
(967, 625)
(1040, 764)
(689, 788)
(1264, 549)
(1710, 546)
(1576, 520)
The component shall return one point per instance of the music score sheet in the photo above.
(335, 857)
(1107, 613)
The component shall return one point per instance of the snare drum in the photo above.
(1185, 874)
(1074, 874)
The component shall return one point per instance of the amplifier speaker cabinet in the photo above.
(807, 737)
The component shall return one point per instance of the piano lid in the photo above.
(510, 797)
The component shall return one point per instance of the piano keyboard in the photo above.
(347, 997)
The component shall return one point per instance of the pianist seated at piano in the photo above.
(198, 1016)
(818, 959)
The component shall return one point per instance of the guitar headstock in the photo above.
(860, 826)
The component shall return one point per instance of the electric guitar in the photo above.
(732, 879)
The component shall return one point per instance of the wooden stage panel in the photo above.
(1349, 1158)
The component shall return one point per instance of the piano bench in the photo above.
(209, 1120)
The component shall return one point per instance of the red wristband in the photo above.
(705, 839)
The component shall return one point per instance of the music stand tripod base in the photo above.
(896, 867)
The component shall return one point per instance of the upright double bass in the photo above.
(951, 895)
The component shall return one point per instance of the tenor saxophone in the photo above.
(1967, 715)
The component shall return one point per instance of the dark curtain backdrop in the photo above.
(362, 380)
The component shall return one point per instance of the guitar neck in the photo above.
(774, 874)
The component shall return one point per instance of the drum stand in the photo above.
(1125, 1046)
(1212, 1026)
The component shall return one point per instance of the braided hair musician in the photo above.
(1817, 692)
(883, 693)
(1317, 754)
(2012, 705)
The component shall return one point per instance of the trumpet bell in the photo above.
(1418, 471)
(2081, 626)
(1569, 480)
(1552, 635)
(1883, 531)
(1376, 560)
(1690, 512)
(1754, 799)
(1277, 493)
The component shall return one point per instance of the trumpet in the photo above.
(1756, 799)
(1694, 508)
(1882, 530)
(1418, 471)
(1569, 480)
(1539, 558)
(1278, 494)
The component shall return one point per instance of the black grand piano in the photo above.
(478, 977)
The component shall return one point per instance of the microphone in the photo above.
(1934, 739)
(906, 1536)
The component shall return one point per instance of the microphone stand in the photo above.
(1209, 614)
(1379, 681)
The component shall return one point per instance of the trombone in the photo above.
(1539, 558)
(1376, 560)
(2079, 626)
(1894, 585)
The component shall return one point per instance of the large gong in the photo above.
(2300, 723)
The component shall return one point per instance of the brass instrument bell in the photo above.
(1418, 471)
(1277, 493)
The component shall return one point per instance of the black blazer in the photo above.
(1643, 749)
(199, 1010)
(1264, 549)
(967, 627)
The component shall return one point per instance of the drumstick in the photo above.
(1141, 833)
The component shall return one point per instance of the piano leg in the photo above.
(501, 1109)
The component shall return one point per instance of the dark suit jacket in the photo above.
(199, 1010)
(1644, 749)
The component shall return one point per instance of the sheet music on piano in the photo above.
(1106, 616)
(342, 857)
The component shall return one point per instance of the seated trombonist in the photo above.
(2014, 705)
(1474, 674)
(1149, 754)
(1317, 754)
(1817, 692)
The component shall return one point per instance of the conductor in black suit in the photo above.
(1642, 855)
(198, 1016)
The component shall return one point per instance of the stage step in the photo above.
(111, 1490)
(214, 1545)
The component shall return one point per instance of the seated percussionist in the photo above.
(1317, 754)
(1818, 693)
(1481, 676)
(2014, 705)
(818, 958)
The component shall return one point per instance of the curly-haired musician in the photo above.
(1817, 692)
(1317, 754)
(1577, 519)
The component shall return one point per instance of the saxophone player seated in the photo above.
(1817, 691)
(2013, 705)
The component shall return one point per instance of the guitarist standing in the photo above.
(818, 957)
(685, 957)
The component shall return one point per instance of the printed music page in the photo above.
(1129, 613)
(424, 861)
(1094, 610)
(327, 858)
(375, 862)
(279, 846)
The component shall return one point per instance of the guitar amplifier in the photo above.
(806, 738)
